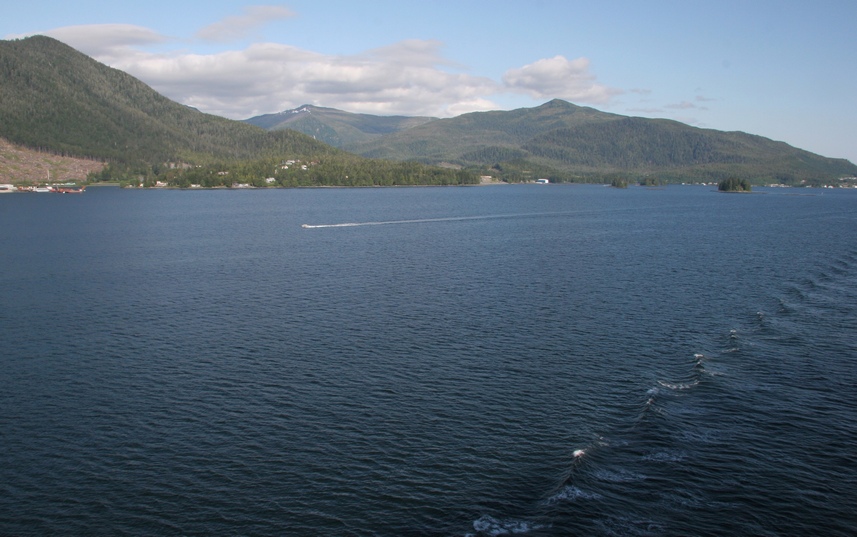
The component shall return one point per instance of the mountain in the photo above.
(65, 114)
(573, 143)
(58, 100)
(336, 127)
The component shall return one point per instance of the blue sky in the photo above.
(780, 69)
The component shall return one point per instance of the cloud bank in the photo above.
(410, 77)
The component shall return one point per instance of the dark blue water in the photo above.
(541, 360)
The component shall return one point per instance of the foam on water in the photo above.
(679, 386)
(571, 493)
(489, 525)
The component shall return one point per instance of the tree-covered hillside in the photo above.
(572, 143)
(471, 138)
(332, 170)
(55, 98)
(674, 151)
(61, 102)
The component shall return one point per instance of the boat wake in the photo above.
(430, 220)
(673, 437)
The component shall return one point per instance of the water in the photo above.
(539, 360)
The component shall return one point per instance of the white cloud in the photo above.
(239, 26)
(558, 77)
(268, 77)
(410, 77)
(104, 41)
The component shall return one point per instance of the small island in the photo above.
(734, 185)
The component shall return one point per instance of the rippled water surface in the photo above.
(541, 360)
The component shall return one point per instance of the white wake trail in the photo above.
(427, 220)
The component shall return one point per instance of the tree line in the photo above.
(328, 170)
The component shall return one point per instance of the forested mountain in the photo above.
(566, 142)
(55, 98)
(336, 127)
(61, 102)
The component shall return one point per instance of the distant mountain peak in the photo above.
(305, 109)
(558, 103)
(336, 127)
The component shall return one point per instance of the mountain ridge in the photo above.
(336, 127)
(567, 142)
(56, 99)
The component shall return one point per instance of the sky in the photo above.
(786, 69)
